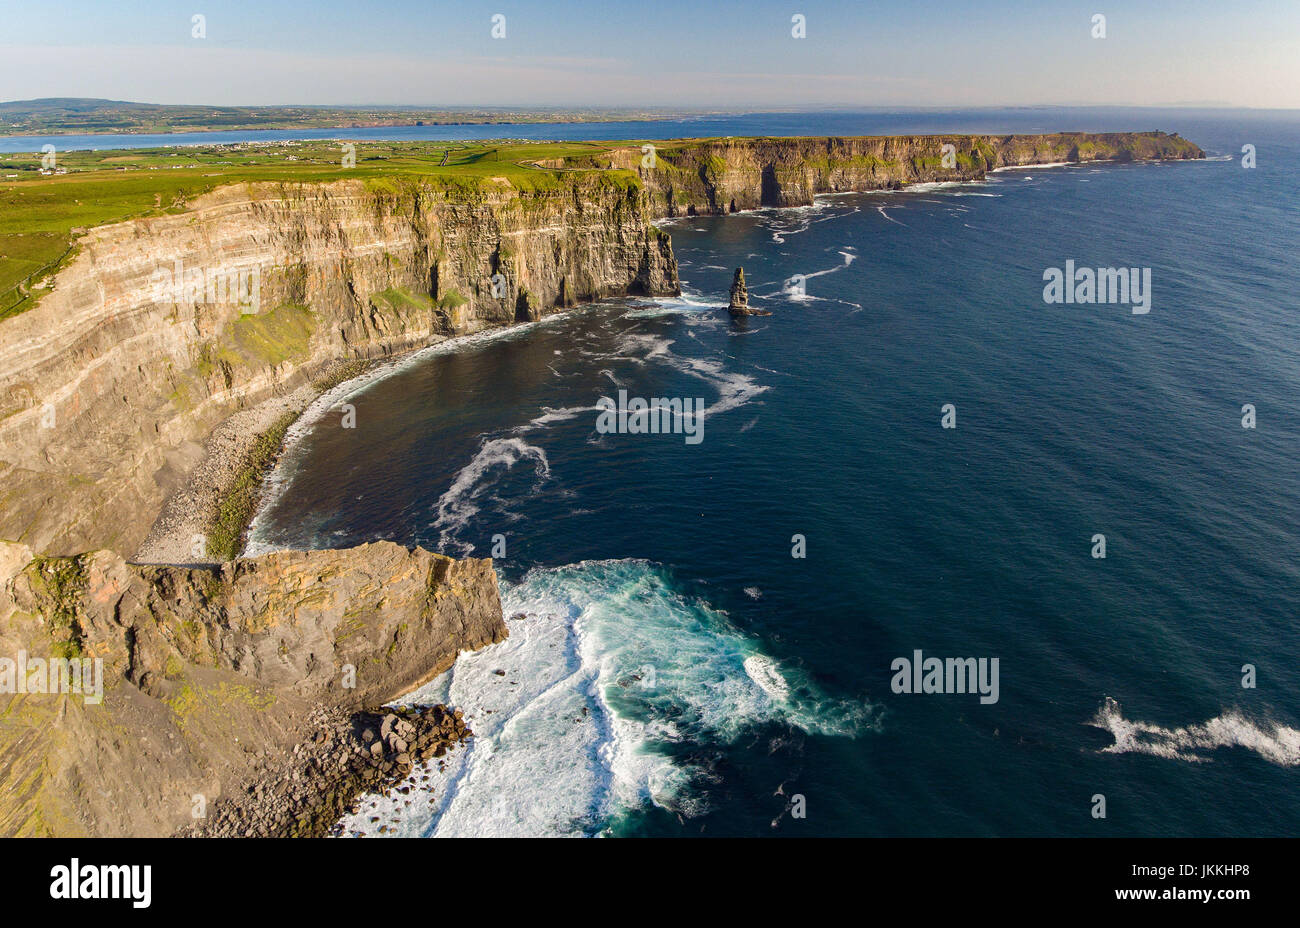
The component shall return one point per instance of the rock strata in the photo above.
(716, 176)
(210, 673)
(111, 385)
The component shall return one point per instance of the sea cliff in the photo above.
(206, 672)
(727, 175)
(171, 342)
(109, 387)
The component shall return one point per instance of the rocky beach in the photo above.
(304, 794)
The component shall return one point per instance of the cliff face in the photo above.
(727, 175)
(108, 386)
(207, 669)
(160, 329)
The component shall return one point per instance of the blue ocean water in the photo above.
(673, 670)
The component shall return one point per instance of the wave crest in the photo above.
(594, 706)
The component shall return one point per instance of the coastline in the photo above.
(232, 467)
(194, 507)
(190, 512)
(306, 792)
(197, 504)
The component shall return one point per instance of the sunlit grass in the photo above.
(40, 215)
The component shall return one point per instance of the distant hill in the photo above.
(82, 115)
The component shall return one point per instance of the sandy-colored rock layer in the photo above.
(208, 672)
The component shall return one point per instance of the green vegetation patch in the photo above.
(272, 337)
(400, 301)
(226, 533)
(42, 215)
(451, 300)
(61, 581)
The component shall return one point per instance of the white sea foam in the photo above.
(881, 210)
(791, 290)
(1272, 741)
(609, 669)
(551, 416)
(280, 476)
(931, 186)
(693, 306)
(642, 347)
(473, 485)
(763, 672)
(785, 221)
(1034, 167)
(734, 388)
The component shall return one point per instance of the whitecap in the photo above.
(578, 716)
(551, 416)
(1046, 164)
(1276, 743)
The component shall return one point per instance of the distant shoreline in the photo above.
(62, 132)
(74, 117)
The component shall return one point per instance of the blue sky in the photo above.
(655, 52)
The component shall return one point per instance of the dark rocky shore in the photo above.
(305, 794)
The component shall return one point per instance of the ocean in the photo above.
(673, 668)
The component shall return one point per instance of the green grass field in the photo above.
(40, 215)
(77, 115)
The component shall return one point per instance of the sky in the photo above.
(655, 53)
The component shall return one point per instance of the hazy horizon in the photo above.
(670, 55)
(756, 108)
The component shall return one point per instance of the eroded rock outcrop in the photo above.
(209, 671)
(739, 303)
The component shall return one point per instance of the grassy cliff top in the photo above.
(43, 211)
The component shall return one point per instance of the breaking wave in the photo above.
(588, 712)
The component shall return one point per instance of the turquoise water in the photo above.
(672, 669)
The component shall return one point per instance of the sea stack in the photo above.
(739, 295)
(739, 305)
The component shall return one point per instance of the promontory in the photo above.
(166, 314)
